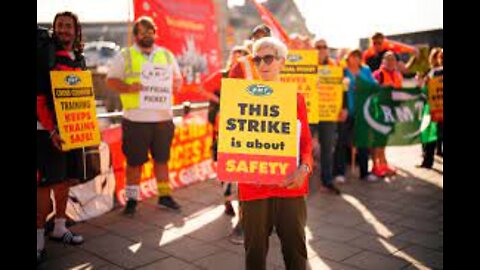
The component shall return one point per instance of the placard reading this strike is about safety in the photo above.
(75, 108)
(257, 131)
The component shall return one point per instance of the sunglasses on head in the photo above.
(268, 59)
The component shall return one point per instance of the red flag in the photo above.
(271, 22)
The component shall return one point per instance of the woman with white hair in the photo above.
(283, 206)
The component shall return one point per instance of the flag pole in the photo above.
(129, 23)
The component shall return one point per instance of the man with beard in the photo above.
(62, 51)
(146, 76)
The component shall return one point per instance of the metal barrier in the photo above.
(178, 110)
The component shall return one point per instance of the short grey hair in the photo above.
(279, 47)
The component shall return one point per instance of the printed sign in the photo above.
(330, 93)
(301, 69)
(257, 131)
(74, 101)
(157, 80)
(435, 98)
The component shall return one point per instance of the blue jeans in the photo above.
(326, 137)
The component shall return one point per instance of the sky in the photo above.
(341, 22)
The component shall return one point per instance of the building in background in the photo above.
(430, 38)
(244, 18)
(234, 24)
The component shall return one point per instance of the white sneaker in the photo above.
(340, 179)
(371, 178)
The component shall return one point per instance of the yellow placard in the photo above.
(435, 97)
(74, 101)
(247, 115)
(330, 93)
(258, 138)
(301, 69)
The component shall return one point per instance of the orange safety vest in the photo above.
(248, 67)
(388, 79)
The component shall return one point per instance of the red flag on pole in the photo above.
(271, 22)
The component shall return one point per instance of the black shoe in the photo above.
(332, 188)
(130, 208)
(423, 165)
(168, 203)
(229, 211)
(69, 238)
(40, 256)
(237, 235)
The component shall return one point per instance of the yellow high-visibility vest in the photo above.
(133, 67)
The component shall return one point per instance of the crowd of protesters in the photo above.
(335, 139)
(146, 132)
(379, 65)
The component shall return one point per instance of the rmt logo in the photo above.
(294, 58)
(259, 90)
(72, 79)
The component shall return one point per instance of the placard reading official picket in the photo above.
(257, 131)
(301, 68)
(75, 108)
(330, 93)
(156, 80)
(435, 98)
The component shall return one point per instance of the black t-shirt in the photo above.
(374, 62)
(45, 59)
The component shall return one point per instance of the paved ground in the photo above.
(395, 224)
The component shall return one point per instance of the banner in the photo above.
(387, 116)
(74, 101)
(188, 28)
(257, 131)
(190, 156)
(301, 68)
(330, 93)
(435, 98)
(191, 152)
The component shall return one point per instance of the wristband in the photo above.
(307, 168)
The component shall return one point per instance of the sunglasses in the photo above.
(268, 59)
(321, 47)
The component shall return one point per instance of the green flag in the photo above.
(387, 116)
